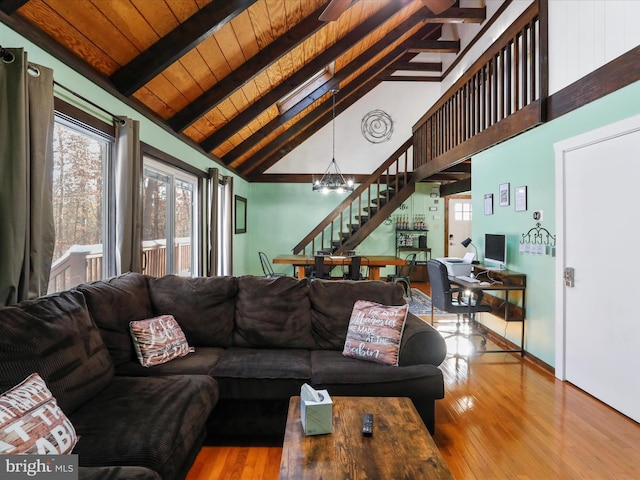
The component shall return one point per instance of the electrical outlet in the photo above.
(537, 215)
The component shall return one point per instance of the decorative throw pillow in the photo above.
(375, 332)
(31, 421)
(158, 340)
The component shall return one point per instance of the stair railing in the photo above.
(349, 214)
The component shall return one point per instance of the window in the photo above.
(462, 211)
(81, 166)
(169, 225)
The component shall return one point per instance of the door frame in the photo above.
(602, 134)
(447, 212)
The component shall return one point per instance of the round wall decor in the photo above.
(377, 126)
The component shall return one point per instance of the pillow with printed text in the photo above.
(375, 332)
(158, 340)
(31, 422)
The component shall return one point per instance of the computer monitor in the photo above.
(495, 249)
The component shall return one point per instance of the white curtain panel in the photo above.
(26, 165)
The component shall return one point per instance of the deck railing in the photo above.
(83, 263)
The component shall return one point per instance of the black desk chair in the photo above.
(266, 267)
(453, 300)
(404, 273)
(355, 268)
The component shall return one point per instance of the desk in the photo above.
(507, 281)
(374, 262)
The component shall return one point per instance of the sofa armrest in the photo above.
(421, 343)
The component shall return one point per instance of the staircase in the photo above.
(365, 209)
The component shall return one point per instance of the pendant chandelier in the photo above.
(332, 180)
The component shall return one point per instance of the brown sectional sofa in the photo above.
(256, 340)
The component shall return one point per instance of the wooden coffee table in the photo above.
(400, 447)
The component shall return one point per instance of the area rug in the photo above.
(420, 304)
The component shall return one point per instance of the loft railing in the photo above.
(509, 78)
(357, 209)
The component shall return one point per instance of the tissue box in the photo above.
(316, 416)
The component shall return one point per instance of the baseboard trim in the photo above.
(502, 342)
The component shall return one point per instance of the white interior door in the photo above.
(598, 334)
(458, 225)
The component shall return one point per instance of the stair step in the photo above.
(389, 193)
(380, 202)
(353, 227)
(370, 210)
(363, 218)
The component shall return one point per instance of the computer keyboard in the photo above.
(468, 279)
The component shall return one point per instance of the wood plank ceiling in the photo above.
(216, 70)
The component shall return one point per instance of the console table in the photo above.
(512, 307)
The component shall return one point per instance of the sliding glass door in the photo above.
(169, 229)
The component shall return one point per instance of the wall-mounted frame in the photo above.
(505, 195)
(241, 214)
(488, 203)
(520, 198)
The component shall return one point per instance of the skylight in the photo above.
(304, 89)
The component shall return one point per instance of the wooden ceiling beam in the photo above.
(301, 131)
(248, 70)
(10, 6)
(301, 76)
(434, 46)
(418, 66)
(334, 82)
(411, 78)
(458, 15)
(159, 56)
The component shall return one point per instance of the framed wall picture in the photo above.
(505, 195)
(488, 203)
(241, 214)
(520, 198)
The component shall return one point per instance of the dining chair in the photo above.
(355, 268)
(404, 274)
(266, 267)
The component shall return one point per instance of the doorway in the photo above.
(597, 331)
(459, 217)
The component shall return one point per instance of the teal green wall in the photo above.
(529, 159)
(281, 214)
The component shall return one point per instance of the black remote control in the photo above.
(367, 425)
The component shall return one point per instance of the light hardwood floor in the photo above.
(501, 418)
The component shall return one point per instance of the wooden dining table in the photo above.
(374, 262)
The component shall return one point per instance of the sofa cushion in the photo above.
(158, 340)
(375, 332)
(200, 362)
(114, 303)
(117, 473)
(262, 373)
(203, 306)
(348, 376)
(55, 337)
(32, 422)
(332, 303)
(273, 313)
(152, 422)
